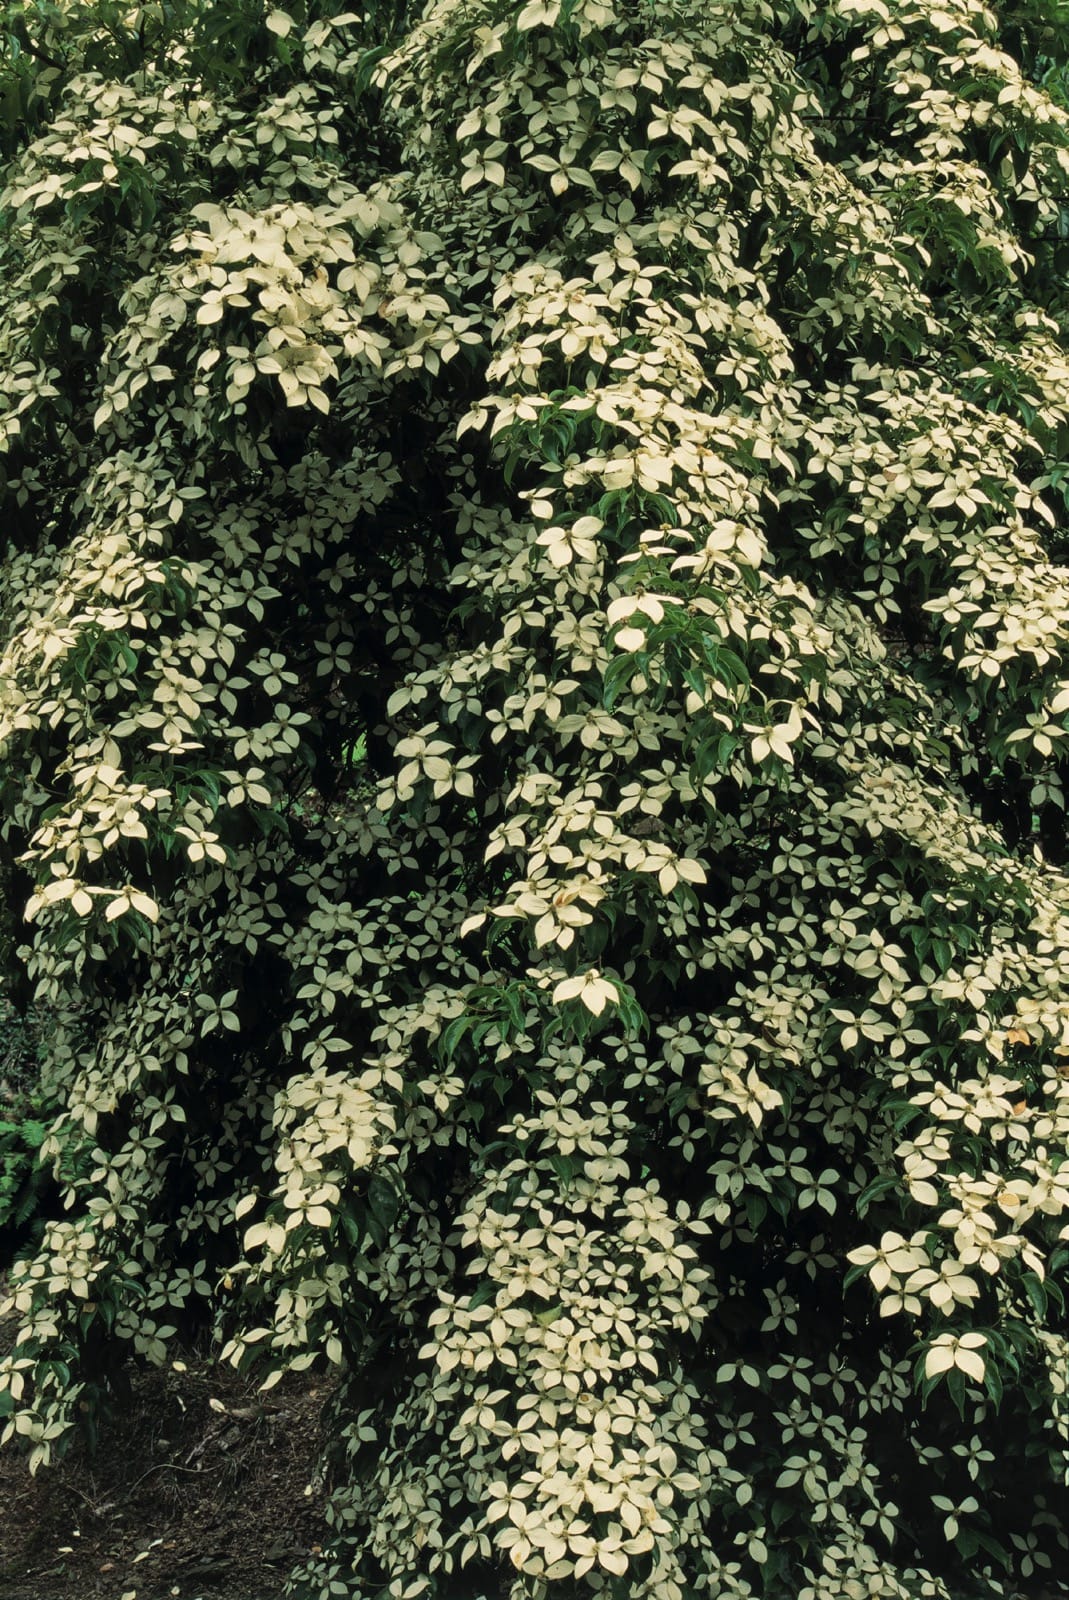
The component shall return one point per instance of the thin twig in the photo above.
(100, 1508)
(162, 1466)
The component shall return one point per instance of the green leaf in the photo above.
(384, 1201)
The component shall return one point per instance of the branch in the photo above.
(40, 55)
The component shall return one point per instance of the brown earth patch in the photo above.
(180, 1500)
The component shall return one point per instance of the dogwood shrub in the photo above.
(533, 710)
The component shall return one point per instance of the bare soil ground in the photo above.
(181, 1500)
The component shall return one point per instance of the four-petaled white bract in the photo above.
(958, 1351)
(594, 991)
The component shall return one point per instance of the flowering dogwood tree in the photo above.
(534, 688)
